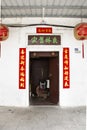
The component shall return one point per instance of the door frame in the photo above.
(29, 74)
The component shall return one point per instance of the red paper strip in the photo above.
(22, 68)
(43, 30)
(66, 68)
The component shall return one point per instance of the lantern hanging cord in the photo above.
(82, 11)
(81, 14)
(43, 16)
(31, 25)
(43, 13)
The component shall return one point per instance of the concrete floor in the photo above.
(42, 118)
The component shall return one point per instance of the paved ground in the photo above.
(42, 118)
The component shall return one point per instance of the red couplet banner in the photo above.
(66, 68)
(22, 68)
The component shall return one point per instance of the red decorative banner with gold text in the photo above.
(43, 30)
(66, 68)
(22, 68)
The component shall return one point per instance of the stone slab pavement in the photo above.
(42, 118)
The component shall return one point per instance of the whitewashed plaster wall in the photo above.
(10, 95)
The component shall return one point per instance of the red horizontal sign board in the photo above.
(43, 30)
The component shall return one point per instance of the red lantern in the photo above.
(4, 32)
(80, 31)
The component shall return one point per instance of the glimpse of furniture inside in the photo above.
(42, 90)
(42, 96)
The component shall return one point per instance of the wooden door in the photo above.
(39, 71)
(54, 79)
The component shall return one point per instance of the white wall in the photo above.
(10, 95)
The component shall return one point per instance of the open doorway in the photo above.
(44, 78)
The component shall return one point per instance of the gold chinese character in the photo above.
(22, 79)
(22, 74)
(22, 68)
(66, 78)
(22, 51)
(66, 68)
(66, 56)
(66, 62)
(66, 73)
(22, 62)
(22, 57)
(66, 50)
(66, 84)
(43, 30)
(39, 30)
(22, 85)
(49, 30)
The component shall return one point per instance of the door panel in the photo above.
(54, 79)
(39, 71)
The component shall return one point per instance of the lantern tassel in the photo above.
(0, 49)
(82, 50)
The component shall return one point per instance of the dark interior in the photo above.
(44, 76)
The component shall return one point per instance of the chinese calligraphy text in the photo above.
(43, 30)
(66, 68)
(44, 40)
(22, 68)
